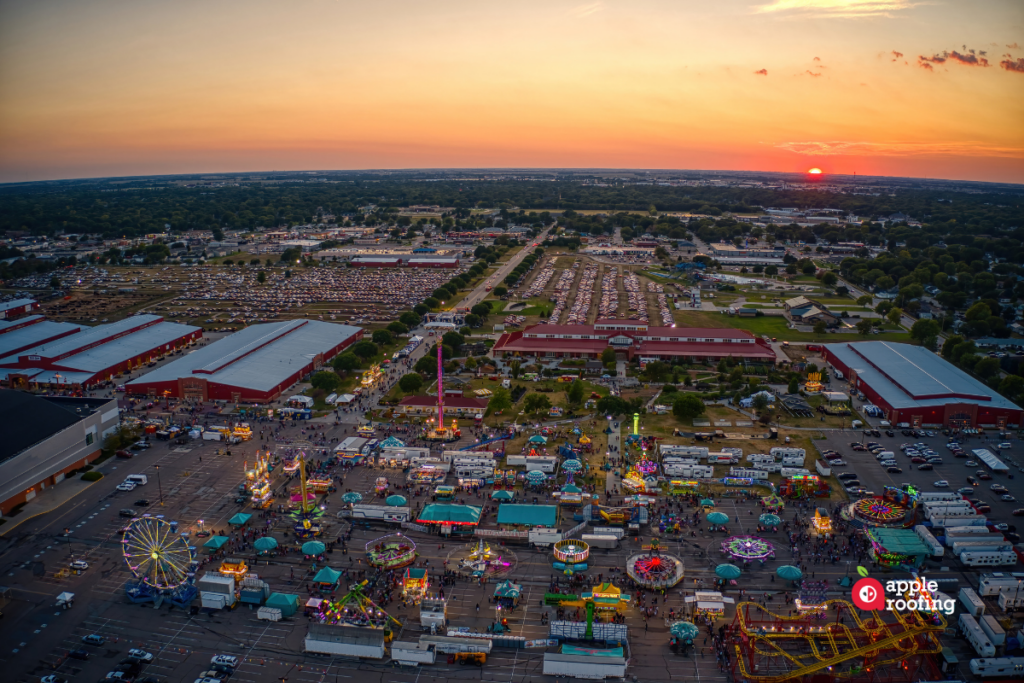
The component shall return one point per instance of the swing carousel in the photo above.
(439, 432)
(391, 552)
(481, 561)
(306, 513)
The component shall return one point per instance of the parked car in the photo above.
(127, 512)
(847, 475)
(926, 466)
(127, 455)
(79, 654)
(126, 486)
(894, 470)
(225, 660)
(1008, 498)
(93, 639)
(941, 484)
(140, 655)
(141, 502)
(79, 565)
(965, 490)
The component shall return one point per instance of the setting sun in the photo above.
(815, 171)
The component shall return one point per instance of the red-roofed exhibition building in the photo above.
(914, 386)
(635, 339)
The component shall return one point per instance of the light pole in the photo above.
(67, 535)
(159, 486)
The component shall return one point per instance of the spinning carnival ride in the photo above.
(772, 648)
(571, 555)
(442, 433)
(391, 552)
(161, 561)
(748, 548)
(355, 609)
(480, 560)
(655, 569)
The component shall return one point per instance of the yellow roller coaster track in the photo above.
(841, 640)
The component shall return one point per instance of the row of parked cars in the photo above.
(130, 668)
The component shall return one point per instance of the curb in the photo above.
(8, 527)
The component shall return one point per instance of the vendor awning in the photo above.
(240, 518)
(216, 542)
(449, 513)
(531, 515)
(327, 575)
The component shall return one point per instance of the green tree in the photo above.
(55, 283)
(427, 365)
(431, 302)
(453, 339)
(473, 320)
(829, 279)
(410, 383)
(608, 356)
(864, 327)
(794, 385)
(950, 344)
(865, 300)
(536, 403)
(894, 315)
(820, 327)
(482, 310)
(396, 328)
(760, 403)
(771, 271)
(986, 368)
(514, 368)
(612, 405)
(325, 380)
(261, 277)
(501, 400)
(500, 290)
(1012, 387)
(657, 371)
(365, 349)
(926, 332)
(688, 406)
(345, 362)
(381, 337)
(409, 319)
(574, 394)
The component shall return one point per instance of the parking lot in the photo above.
(874, 477)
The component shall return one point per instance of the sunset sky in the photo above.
(930, 88)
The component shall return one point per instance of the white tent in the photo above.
(835, 396)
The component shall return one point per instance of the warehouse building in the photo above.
(634, 339)
(9, 310)
(64, 355)
(912, 385)
(404, 261)
(254, 365)
(53, 435)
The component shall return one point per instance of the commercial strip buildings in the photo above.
(915, 386)
(636, 340)
(730, 254)
(48, 437)
(412, 261)
(254, 365)
(34, 351)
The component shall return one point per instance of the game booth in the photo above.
(897, 547)
(415, 583)
(804, 486)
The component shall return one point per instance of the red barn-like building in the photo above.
(254, 365)
(915, 386)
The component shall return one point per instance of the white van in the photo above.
(137, 479)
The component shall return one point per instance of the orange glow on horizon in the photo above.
(815, 171)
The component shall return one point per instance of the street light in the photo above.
(159, 486)
(67, 535)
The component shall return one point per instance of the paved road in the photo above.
(480, 292)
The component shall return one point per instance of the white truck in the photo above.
(544, 537)
(269, 614)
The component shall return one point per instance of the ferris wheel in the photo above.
(156, 554)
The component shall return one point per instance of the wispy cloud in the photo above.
(849, 148)
(966, 58)
(761, 72)
(896, 55)
(1013, 65)
(811, 73)
(836, 8)
(586, 10)
(1013, 46)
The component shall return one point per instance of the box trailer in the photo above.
(722, 458)
(989, 558)
(793, 471)
(1000, 668)
(992, 629)
(407, 653)
(926, 496)
(972, 632)
(793, 460)
(453, 644)
(209, 435)
(600, 541)
(971, 602)
(269, 614)
(1000, 582)
(584, 666)
(748, 473)
(929, 540)
(784, 451)
(955, 532)
(983, 544)
(1009, 601)
(544, 537)
(216, 600)
(691, 471)
(433, 613)
(823, 468)
(944, 522)
(682, 451)
(345, 641)
(610, 531)
(215, 583)
(377, 513)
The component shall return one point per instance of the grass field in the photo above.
(773, 326)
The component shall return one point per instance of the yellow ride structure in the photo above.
(885, 647)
